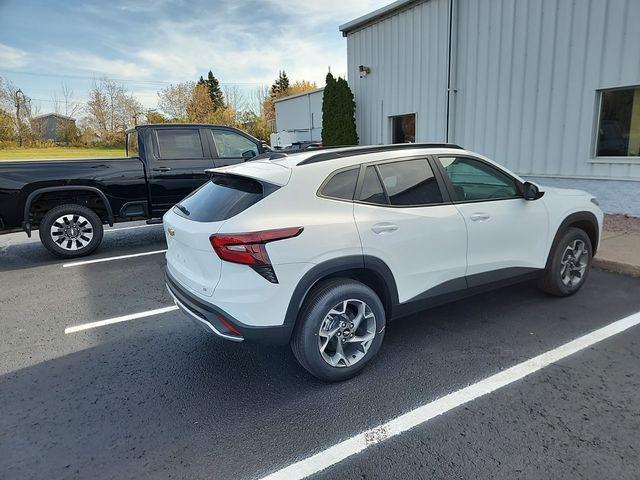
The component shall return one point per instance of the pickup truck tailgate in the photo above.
(190, 257)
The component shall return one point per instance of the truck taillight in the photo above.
(249, 248)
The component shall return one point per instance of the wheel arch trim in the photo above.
(583, 216)
(334, 266)
(26, 225)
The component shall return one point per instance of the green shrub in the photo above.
(338, 113)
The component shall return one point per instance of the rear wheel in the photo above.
(340, 329)
(570, 264)
(71, 230)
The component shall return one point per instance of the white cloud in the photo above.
(90, 62)
(11, 57)
(339, 11)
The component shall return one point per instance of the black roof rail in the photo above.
(332, 155)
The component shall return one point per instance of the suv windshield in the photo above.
(222, 198)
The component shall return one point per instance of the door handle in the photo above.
(162, 169)
(382, 228)
(480, 217)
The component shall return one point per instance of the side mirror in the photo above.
(248, 154)
(531, 191)
(265, 147)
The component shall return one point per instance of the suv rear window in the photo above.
(223, 197)
(342, 185)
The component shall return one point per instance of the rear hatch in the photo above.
(190, 257)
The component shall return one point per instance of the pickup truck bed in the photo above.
(112, 177)
(69, 200)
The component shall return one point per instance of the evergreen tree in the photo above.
(281, 86)
(338, 113)
(217, 98)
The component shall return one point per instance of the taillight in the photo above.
(249, 248)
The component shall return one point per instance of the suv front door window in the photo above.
(475, 180)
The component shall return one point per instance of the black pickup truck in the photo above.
(70, 200)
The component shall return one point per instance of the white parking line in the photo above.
(109, 259)
(124, 318)
(131, 228)
(420, 415)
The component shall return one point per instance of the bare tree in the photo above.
(110, 110)
(63, 103)
(174, 100)
(234, 98)
(14, 102)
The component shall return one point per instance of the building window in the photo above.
(403, 128)
(619, 123)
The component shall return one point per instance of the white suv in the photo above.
(321, 248)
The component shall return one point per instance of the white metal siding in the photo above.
(526, 75)
(407, 54)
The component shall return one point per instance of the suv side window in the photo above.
(410, 182)
(341, 185)
(231, 144)
(474, 180)
(371, 191)
(179, 143)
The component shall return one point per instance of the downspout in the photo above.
(449, 69)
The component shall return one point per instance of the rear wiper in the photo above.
(183, 209)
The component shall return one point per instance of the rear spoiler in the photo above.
(263, 171)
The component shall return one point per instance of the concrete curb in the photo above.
(616, 267)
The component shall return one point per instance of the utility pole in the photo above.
(18, 115)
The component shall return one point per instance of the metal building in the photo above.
(298, 118)
(52, 126)
(549, 88)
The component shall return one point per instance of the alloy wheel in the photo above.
(71, 232)
(574, 263)
(346, 333)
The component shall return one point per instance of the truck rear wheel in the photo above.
(70, 231)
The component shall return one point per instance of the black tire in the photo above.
(552, 282)
(306, 335)
(82, 247)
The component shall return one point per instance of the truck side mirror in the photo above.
(248, 154)
(265, 147)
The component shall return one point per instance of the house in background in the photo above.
(548, 88)
(298, 118)
(51, 126)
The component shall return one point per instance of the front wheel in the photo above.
(70, 231)
(570, 264)
(339, 330)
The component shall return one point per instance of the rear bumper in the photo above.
(213, 319)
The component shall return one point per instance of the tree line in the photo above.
(110, 109)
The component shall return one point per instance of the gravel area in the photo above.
(621, 223)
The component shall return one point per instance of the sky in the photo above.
(149, 44)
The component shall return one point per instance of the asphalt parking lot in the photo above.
(155, 397)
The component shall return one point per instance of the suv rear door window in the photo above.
(342, 185)
(410, 182)
(222, 198)
(372, 191)
(182, 143)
